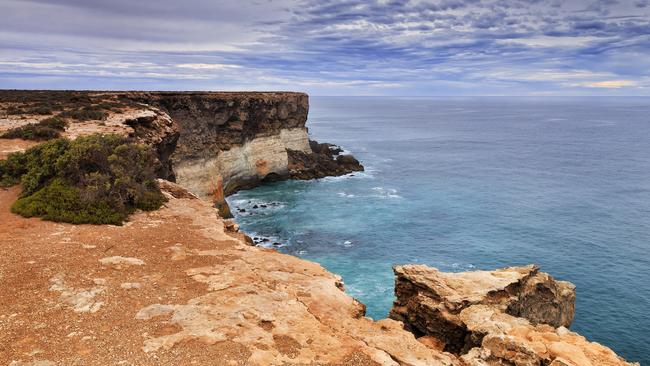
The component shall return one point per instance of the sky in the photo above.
(330, 47)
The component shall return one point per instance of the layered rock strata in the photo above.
(243, 138)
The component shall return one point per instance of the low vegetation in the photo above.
(96, 179)
(70, 105)
(47, 129)
(88, 113)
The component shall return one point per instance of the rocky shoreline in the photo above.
(181, 285)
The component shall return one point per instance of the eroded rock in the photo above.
(429, 302)
(81, 300)
(322, 161)
(508, 340)
(119, 261)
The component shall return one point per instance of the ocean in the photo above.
(479, 183)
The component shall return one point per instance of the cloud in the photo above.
(610, 84)
(328, 46)
(208, 66)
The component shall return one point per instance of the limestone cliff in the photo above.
(242, 139)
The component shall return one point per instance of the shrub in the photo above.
(85, 114)
(39, 109)
(47, 129)
(14, 110)
(97, 179)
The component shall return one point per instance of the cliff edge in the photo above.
(174, 287)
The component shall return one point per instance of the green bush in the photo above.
(97, 179)
(14, 110)
(85, 114)
(40, 109)
(47, 129)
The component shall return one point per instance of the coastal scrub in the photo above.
(47, 129)
(96, 179)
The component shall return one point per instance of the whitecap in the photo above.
(386, 192)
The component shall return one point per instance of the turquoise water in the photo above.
(480, 183)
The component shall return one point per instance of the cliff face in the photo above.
(240, 139)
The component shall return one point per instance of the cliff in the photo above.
(242, 139)
(181, 285)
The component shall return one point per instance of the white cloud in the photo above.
(610, 84)
(208, 66)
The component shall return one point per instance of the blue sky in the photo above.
(330, 47)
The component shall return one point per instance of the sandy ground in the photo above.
(8, 146)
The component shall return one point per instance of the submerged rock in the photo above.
(429, 302)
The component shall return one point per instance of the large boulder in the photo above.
(429, 302)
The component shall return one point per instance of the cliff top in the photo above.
(9, 94)
(173, 287)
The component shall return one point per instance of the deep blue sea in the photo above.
(480, 183)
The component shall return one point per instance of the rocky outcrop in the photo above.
(155, 128)
(429, 302)
(514, 316)
(323, 160)
(508, 340)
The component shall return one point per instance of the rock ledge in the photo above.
(515, 316)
